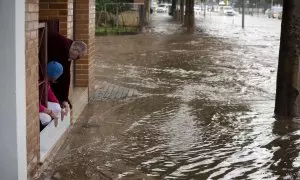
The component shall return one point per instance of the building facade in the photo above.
(20, 63)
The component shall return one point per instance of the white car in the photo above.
(197, 10)
(162, 8)
(227, 10)
(274, 12)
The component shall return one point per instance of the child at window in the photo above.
(46, 114)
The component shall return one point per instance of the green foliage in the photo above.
(114, 30)
(274, 1)
(111, 5)
(259, 3)
(164, 1)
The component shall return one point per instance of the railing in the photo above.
(43, 58)
(45, 26)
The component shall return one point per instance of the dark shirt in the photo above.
(58, 50)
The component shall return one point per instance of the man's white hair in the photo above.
(79, 46)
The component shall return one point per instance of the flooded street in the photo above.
(201, 107)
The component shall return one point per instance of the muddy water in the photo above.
(204, 109)
(210, 100)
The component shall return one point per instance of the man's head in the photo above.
(54, 70)
(77, 50)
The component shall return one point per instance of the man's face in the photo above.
(74, 54)
(77, 50)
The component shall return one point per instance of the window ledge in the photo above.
(50, 135)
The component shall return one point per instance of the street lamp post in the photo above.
(243, 14)
(205, 8)
(272, 3)
(257, 10)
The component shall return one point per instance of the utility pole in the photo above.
(272, 4)
(243, 14)
(204, 8)
(257, 10)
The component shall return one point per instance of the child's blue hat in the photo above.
(54, 69)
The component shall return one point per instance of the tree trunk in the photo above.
(182, 11)
(147, 11)
(191, 17)
(177, 10)
(187, 2)
(288, 75)
(173, 8)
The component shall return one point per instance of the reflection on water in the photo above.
(206, 109)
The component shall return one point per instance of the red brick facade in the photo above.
(61, 10)
(32, 97)
(85, 30)
(92, 49)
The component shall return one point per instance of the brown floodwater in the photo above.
(203, 108)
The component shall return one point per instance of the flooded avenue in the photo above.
(203, 107)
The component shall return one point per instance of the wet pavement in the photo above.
(202, 107)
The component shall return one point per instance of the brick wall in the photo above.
(32, 97)
(85, 31)
(61, 10)
(46, 10)
(92, 48)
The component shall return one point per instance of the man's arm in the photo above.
(64, 84)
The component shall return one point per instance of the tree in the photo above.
(108, 10)
(100, 4)
(189, 20)
(164, 1)
(274, 2)
(288, 76)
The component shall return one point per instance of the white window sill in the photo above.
(50, 135)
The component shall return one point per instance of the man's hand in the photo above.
(63, 114)
(66, 106)
(55, 122)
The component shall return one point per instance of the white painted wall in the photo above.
(12, 91)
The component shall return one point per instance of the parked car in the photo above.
(197, 10)
(162, 8)
(227, 10)
(274, 12)
(280, 15)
